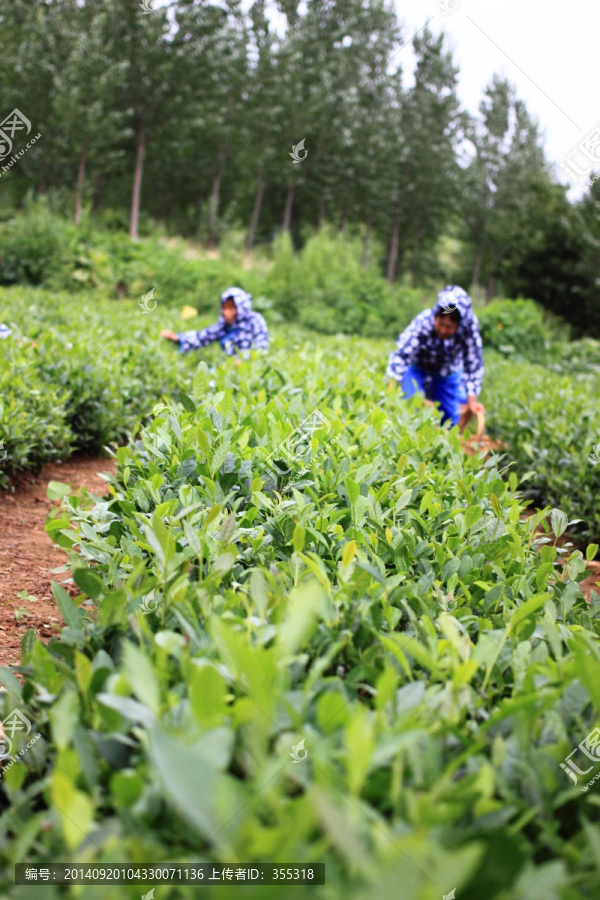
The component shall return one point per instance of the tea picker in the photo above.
(440, 354)
(239, 328)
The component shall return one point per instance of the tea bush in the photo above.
(254, 580)
(549, 423)
(322, 287)
(520, 327)
(88, 378)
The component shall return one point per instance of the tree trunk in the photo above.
(342, 227)
(365, 256)
(321, 216)
(287, 213)
(478, 260)
(80, 183)
(491, 288)
(214, 200)
(137, 183)
(256, 210)
(393, 251)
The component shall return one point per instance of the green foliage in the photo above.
(520, 327)
(549, 423)
(236, 607)
(399, 160)
(31, 245)
(94, 370)
(322, 287)
(326, 289)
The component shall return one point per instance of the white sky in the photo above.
(546, 48)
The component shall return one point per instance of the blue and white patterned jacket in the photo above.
(419, 345)
(249, 331)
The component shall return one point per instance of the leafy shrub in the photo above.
(520, 327)
(90, 376)
(549, 423)
(322, 287)
(380, 599)
(30, 244)
(325, 287)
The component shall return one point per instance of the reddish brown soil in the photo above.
(27, 554)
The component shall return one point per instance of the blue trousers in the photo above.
(445, 391)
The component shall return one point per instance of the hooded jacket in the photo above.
(419, 345)
(249, 331)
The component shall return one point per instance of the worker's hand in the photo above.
(429, 402)
(473, 406)
(169, 335)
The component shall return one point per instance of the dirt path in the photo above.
(27, 554)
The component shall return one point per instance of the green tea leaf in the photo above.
(352, 489)
(89, 582)
(298, 538)
(142, 677)
(72, 616)
(559, 521)
(57, 490)
(200, 382)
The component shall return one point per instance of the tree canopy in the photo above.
(188, 113)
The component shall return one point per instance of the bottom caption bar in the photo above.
(194, 873)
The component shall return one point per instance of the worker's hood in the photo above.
(454, 297)
(242, 300)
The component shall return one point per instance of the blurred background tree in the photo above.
(184, 119)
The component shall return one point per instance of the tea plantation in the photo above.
(309, 627)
